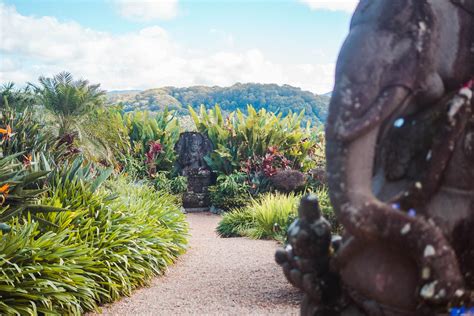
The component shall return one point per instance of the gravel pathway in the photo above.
(217, 276)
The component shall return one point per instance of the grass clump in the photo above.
(270, 216)
(265, 218)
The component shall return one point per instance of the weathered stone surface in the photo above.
(199, 182)
(195, 200)
(191, 149)
(288, 180)
(399, 166)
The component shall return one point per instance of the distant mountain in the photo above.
(122, 92)
(272, 97)
(329, 94)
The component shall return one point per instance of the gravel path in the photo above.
(217, 276)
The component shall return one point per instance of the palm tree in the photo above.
(68, 101)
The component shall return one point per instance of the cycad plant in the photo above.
(20, 99)
(68, 100)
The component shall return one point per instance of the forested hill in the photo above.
(269, 96)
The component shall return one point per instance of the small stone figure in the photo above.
(191, 149)
(305, 260)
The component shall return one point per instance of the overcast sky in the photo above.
(139, 44)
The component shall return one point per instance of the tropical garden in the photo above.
(90, 195)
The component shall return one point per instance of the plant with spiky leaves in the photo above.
(68, 100)
(19, 192)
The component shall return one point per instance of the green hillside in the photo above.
(269, 96)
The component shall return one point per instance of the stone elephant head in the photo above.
(396, 140)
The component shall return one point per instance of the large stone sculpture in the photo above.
(400, 164)
(191, 149)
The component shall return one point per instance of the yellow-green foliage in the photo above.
(270, 215)
(267, 217)
(239, 137)
(112, 241)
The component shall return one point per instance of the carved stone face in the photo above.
(191, 149)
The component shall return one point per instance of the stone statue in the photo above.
(400, 166)
(191, 149)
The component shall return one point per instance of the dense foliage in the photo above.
(70, 239)
(231, 191)
(152, 138)
(89, 193)
(251, 151)
(248, 139)
(111, 241)
(274, 98)
(267, 217)
(68, 100)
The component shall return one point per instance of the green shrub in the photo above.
(68, 101)
(46, 273)
(240, 137)
(113, 240)
(270, 216)
(20, 191)
(265, 218)
(147, 128)
(141, 231)
(105, 137)
(230, 191)
(175, 185)
(28, 135)
(17, 98)
(235, 224)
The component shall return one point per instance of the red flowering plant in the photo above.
(260, 169)
(153, 153)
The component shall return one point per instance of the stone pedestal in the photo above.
(196, 199)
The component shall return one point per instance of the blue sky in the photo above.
(140, 44)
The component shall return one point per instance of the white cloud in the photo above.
(332, 5)
(31, 46)
(147, 10)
